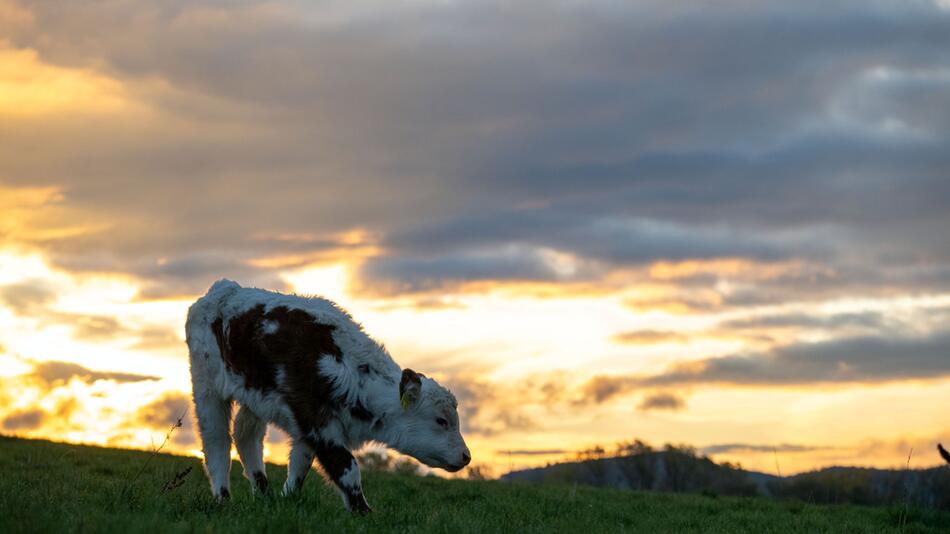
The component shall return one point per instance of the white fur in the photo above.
(249, 431)
(411, 431)
(271, 327)
(301, 460)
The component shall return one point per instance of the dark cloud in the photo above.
(183, 275)
(841, 281)
(24, 420)
(865, 320)
(857, 359)
(748, 447)
(167, 410)
(53, 372)
(661, 401)
(618, 134)
(164, 414)
(618, 239)
(865, 359)
(486, 410)
(406, 274)
(602, 388)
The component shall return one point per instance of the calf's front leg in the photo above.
(342, 469)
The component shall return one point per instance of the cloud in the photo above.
(602, 388)
(93, 327)
(157, 338)
(34, 299)
(405, 274)
(647, 337)
(863, 359)
(661, 401)
(165, 412)
(24, 420)
(611, 135)
(532, 452)
(866, 320)
(55, 372)
(486, 409)
(725, 448)
(848, 360)
(26, 297)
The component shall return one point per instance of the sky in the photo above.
(722, 224)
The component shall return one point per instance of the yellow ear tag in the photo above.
(404, 400)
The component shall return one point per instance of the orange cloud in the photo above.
(36, 215)
(30, 88)
(53, 373)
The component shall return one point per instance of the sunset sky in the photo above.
(724, 224)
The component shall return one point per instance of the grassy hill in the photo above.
(51, 487)
(682, 470)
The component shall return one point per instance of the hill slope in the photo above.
(51, 487)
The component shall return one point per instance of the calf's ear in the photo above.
(410, 387)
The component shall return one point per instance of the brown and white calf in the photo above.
(305, 365)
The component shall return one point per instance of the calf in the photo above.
(306, 366)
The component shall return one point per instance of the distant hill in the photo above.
(858, 485)
(681, 470)
(671, 470)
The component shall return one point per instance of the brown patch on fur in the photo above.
(295, 347)
(243, 351)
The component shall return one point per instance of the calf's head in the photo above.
(429, 423)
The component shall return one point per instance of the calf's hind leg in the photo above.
(249, 430)
(214, 425)
(301, 460)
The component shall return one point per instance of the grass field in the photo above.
(51, 487)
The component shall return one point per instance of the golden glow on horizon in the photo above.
(515, 345)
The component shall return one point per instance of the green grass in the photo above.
(52, 487)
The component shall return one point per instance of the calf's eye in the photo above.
(442, 422)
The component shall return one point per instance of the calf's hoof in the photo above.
(359, 506)
(260, 482)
